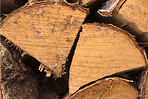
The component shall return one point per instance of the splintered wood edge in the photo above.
(124, 32)
(114, 10)
(43, 3)
(35, 4)
(99, 82)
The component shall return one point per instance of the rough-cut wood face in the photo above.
(103, 50)
(136, 12)
(110, 88)
(133, 15)
(46, 31)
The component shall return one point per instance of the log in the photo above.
(16, 82)
(109, 88)
(46, 31)
(132, 16)
(103, 50)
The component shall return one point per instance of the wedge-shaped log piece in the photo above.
(135, 11)
(109, 88)
(103, 50)
(132, 15)
(45, 30)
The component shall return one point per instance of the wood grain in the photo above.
(46, 31)
(109, 88)
(103, 50)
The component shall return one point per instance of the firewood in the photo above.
(46, 31)
(130, 15)
(109, 88)
(16, 82)
(103, 50)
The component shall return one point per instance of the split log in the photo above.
(103, 50)
(143, 86)
(46, 31)
(109, 88)
(130, 15)
(16, 82)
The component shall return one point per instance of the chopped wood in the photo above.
(103, 50)
(46, 31)
(132, 16)
(109, 88)
(15, 81)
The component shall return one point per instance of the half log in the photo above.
(109, 88)
(46, 31)
(103, 50)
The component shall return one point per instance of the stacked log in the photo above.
(80, 56)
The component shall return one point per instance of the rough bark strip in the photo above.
(111, 7)
(46, 30)
(103, 50)
(16, 81)
(143, 85)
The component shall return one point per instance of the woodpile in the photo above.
(74, 49)
(114, 88)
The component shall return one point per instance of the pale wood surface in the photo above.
(136, 12)
(103, 50)
(133, 16)
(109, 88)
(46, 31)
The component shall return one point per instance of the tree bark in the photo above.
(143, 85)
(16, 81)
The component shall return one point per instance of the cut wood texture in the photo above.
(46, 31)
(132, 16)
(103, 50)
(109, 88)
(15, 81)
